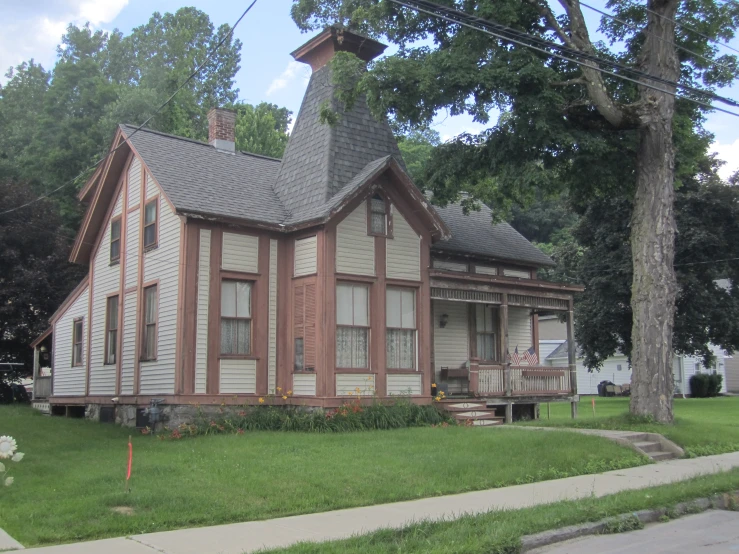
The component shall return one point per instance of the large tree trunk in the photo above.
(654, 288)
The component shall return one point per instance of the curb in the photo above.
(727, 501)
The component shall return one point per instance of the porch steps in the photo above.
(42, 406)
(477, 413)
(652, 445)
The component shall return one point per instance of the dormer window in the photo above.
(378, 216)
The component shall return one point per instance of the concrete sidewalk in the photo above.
(249, 537)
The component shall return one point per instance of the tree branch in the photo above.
(551, 20)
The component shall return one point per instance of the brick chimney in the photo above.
(319, 50)
(221, 124)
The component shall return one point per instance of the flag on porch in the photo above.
(531, 357)
(515, 357)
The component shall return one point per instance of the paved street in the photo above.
(711, 532)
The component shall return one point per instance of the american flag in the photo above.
(531, 357)
(515, 357)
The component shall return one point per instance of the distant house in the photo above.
(218, 276)
(617, 368)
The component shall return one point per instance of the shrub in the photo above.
(704, 385)
(351, 416)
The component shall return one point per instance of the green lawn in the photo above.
(73, 473)
(702, 425)
(500, 532)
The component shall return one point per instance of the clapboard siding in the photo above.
(486, 270)
(132, 249)
(451, 348)
(118, 207)
(240, 253)
(304, 384)
(106, 280)
(305, 256)
(151, 187)
(201, 339)
(519, 329)
(68, 380)
(355, 249)
(272, 351)
(134, 183)
(732, 373)
(521, 273)
(404, 384)
(128, 354)
(238, 376)
(449, 266)
(403, 252)
(347, 383)
(163, 264)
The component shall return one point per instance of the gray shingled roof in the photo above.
(320, 159)
(474, 233)
(197, 178)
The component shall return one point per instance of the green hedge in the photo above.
(705, 385)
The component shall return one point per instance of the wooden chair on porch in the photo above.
(462, 373)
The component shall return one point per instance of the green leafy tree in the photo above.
(262, 129)
(563, 124)
(416, 148)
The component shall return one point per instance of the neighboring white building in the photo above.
(553, 351)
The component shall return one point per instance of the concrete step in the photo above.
(648, 446)
(661, 456)
(476, 414)
(462, 406)
(486, 422)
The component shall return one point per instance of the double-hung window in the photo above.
(151, 310)
(400, 328)
(352, 326)
(486, 342)
(115, 240)
(111, 329)
(77, 330)
(236, 317)
(151, 215)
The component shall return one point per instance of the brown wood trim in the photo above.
(157, 222)
(239, 357)
(389, 371)
(187, 338)
(408, 283)
(326, 308)
(97, 243)
(378, 318)
(68, 301)
(499, 279)
(535, 333)
(141, 321)
(133, 208)
(322, 288)
(242, 275)
(122, 275)
(130, 290)
(260, 327)
(182, 274)
(214, 312)
(143, 176)
(364, 370)
(368, 279)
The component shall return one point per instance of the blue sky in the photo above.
(32, 29)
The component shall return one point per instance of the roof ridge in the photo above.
(194, 141)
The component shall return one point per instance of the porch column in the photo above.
(571, 355)
(36, 365)
(504, 334)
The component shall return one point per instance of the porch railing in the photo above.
(41, 387)
(522, 380)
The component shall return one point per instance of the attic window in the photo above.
(150, 223)
(378, 220)
(115, 240)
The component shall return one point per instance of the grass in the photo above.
(500, 532)
(703, 426)
(73, 473)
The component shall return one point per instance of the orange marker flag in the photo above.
(130, 460)
(593, 401)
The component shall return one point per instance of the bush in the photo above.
(352, 416)
(704, 385)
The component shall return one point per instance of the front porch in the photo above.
(485, 342)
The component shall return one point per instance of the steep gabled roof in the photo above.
(475, 233)
(199, 179)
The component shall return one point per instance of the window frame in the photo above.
(153, 200)
(368, 327)
(388, 328)
(81, 361)
(109, 330)
(119, 220)
(494, 333)
(143, 357)
(388, 216)
(250, 319)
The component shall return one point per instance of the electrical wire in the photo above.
(518, 38)
(160, 108)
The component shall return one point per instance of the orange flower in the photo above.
(284, 397)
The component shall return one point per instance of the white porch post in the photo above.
(504, 334)
(572, 355)
(35, 370)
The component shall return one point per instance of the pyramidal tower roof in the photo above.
(320, 159)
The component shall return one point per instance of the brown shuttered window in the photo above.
(304, 326)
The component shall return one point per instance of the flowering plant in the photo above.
(8, 451)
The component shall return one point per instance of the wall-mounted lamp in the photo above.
(42, 349)
(443, 320)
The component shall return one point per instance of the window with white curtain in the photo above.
(352, 326)
(400, 334)
(486, 343)
(236, 317)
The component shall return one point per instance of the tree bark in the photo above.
(654, 287)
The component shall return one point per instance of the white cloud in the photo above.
(33, 28)
(728, 153)
(293, 70)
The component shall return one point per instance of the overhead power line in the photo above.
(160, 108)
(540, 45)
